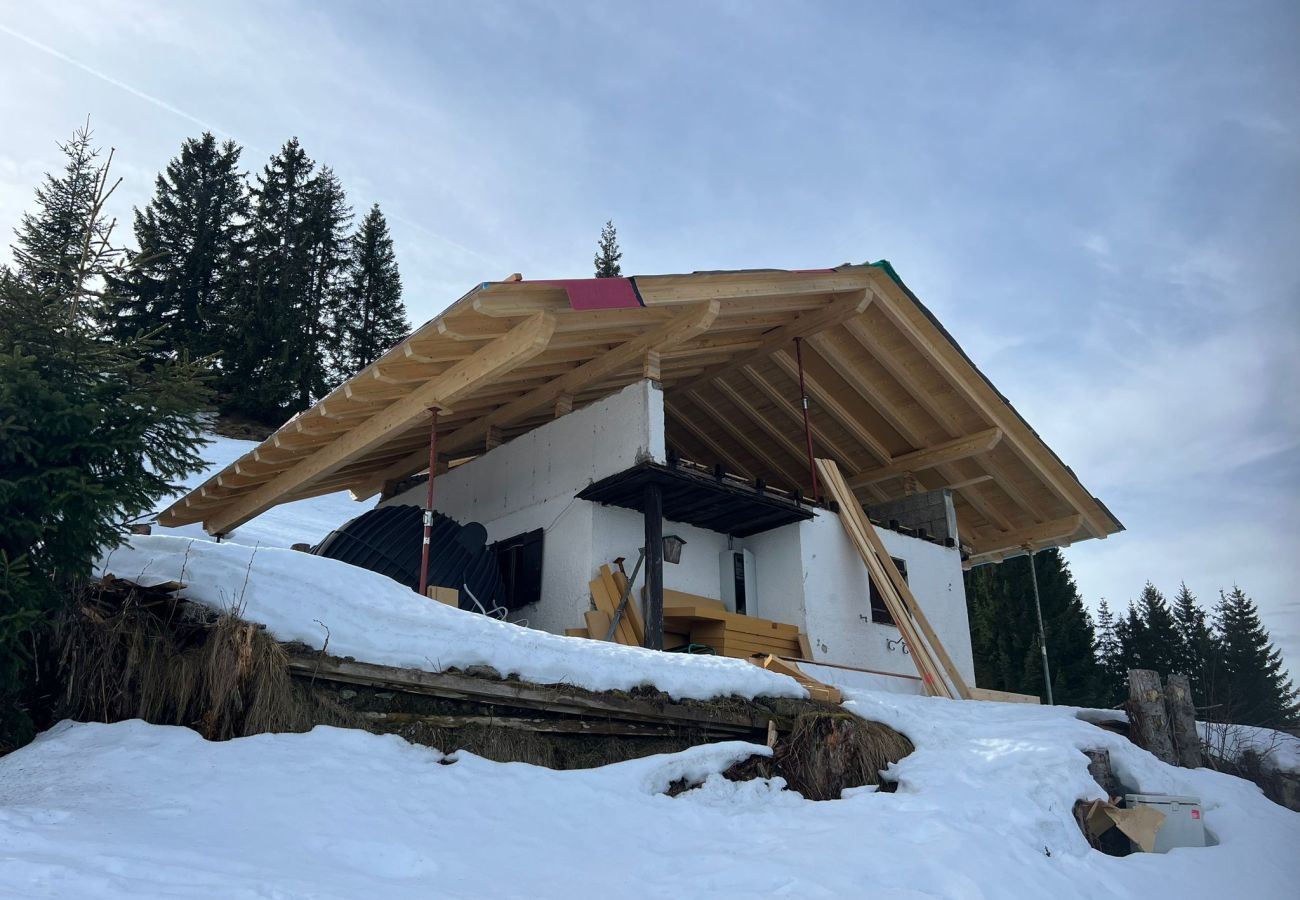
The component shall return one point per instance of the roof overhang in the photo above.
(892, 398)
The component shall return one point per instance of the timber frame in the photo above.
(893, 400)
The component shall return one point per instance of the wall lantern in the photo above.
(673, 548)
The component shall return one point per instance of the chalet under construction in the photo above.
(582, 433)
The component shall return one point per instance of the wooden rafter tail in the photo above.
(921, 638)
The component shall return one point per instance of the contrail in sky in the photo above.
(148, 98)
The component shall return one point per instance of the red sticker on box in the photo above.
(1196, 814)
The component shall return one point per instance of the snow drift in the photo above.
(312, 599)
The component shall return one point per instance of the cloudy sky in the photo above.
(1101, 201)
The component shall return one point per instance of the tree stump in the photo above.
(1149, 716)
(1182, 721)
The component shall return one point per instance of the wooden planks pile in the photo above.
(927, 651)
(816, 690)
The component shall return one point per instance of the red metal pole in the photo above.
(807, 427)
(428, 506)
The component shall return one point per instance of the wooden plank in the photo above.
(805, 648)
(607, 603)
(836, 311)
(577, 632)
(681, 328)
(523, 695)
(855, 524)
(986, 542)
(753, 625)
(631, 614)
(944, 355)
(905, 592)
(979, 693)
(681, 598)
(521, 344)
(597, 623)
(633, 611)
(928, 458)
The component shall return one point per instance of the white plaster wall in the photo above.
(778, 568)
(621, 532)
(531, 483)
(837, 596)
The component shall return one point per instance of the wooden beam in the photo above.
(959, 372)
(724, 456)
(836, 311)
(681, 328)
(650, 366)
(796, 450)
(714, 417)
(987, 543)
(826, 400)
(949, 451)
(786, 404)
(563, 405)
(514, 349)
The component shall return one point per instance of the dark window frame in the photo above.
(879, 611)
(521, 561)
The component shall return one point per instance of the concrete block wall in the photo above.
(931, 510)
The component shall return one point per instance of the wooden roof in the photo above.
(893, 399)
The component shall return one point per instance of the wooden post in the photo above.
(654, 567)
(1182, 721)
(1147, 715)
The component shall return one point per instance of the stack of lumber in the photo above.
(606, 591)
(927, 651)
(706, 621)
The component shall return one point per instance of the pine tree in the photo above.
(372, 317)
(608, 253)
(263, 336)
(51, 241)
(1157, 643)
(1251, 686)
(1113, 672)
(1004, 630)
(319, 307)
(189, 237)
(1198, 643)
(90, 437)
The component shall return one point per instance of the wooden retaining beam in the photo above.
(554, 699)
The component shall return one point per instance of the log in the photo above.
(554, 699)
(1149, 716)
(1182, 721)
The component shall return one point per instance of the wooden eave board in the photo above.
(928, 389)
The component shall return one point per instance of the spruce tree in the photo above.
(372, 315)
(319, 307)
(1004, 630)
(263, 336)
(1198, 643)
(1110, 660)
(1157, 643)
(90, 438)
(608, 253)
(1251, 686)
(51, 241)
(189, 236)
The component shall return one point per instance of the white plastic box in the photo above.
(1184, 825)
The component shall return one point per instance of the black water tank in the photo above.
(388, 540)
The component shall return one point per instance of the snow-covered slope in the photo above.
(982, 811)
(301, 597)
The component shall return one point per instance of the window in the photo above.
(520, 560)
(879, 611)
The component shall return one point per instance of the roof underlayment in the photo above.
(892, 398)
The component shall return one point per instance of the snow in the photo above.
(983, 810)
(304, 521)
(1278, 751)
(301, 597)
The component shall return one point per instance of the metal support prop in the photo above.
(654, 567)
(428, 504)
(627, 593)
(1042, 637)
(807, 427)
